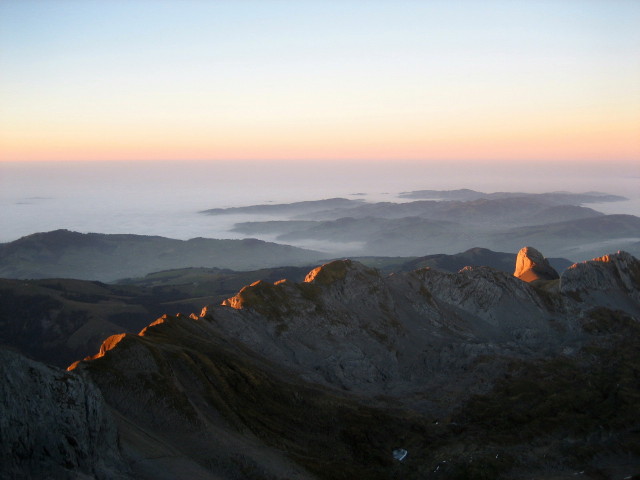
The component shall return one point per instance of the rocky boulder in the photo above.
(531, 266)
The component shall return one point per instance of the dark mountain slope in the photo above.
(323, 379)
(57, 321)
(94, 256)
(239, 415)
(54, 424)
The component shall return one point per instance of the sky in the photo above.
(320, 80)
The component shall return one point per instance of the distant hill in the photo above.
(574, 232)
(576, 238)
(209, 281)
(466, 194)
(286, 208)
(350, 229)
(442, 222)
(611, 225)
(93, 256)
(483, 211)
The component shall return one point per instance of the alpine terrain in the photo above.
(354, 374)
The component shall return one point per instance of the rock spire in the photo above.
(531, 266)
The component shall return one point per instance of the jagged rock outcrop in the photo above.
(348, 327)
(325, 378)
(531, 266)
(611, 281)
(54, 424)
(495, 297)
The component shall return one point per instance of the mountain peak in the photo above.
(329, 272)
(107, 345)
(256, 295)
(603, 278)
(531, 266)
(337, 270)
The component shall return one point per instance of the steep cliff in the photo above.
(611, 281)
(54, 424)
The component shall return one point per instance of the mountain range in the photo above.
(94, 256)
(466, 194)
(313, 231)
(472, 374)
(447, 222)
(421, 356)
(59, 320)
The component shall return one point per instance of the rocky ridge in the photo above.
(369, 363)
(611, 281)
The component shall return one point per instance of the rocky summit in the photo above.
(474, 374)
(531, 266)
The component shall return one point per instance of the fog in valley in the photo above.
(168, 199)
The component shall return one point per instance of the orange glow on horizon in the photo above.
(505, 135)
(589, 144)
(518, 81)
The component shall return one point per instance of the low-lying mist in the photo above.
(165, 198)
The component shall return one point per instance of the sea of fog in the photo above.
(164, 198)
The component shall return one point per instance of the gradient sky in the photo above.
(487, 80)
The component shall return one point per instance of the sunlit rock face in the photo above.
(618, 270)
(54, 424)
(531, 266)
(330, 272)
(107, 345)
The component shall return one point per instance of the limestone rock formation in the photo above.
(531, 266)
(611, 280)
(54, 424)
(350, 328)
(367, 363)
(325, 378)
